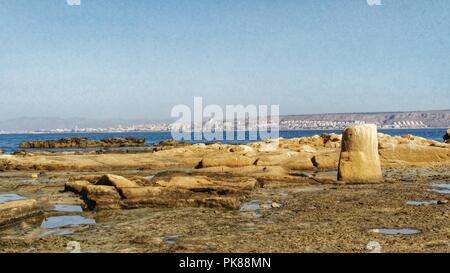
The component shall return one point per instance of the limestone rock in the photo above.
(168, 189)
(84, 142)
(76, 186)
(187, 182)
(359, 159)
(206, 184)
(16, 210)
(117, 181)
(269, 145)
(326, 161)
(141, 192)
(288, 159)
(219, 201)
(103, 197)
(228, 159)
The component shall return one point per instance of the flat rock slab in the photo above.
(16, 210)
(115, 192)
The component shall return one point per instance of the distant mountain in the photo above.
(430, 118)
(436, 119)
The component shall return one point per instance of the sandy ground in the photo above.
(312, 218)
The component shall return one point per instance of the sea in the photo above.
(9, 142)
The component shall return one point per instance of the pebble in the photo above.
(276, 205)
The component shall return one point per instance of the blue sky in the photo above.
(139, 58)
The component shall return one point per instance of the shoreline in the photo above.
(253, 197)
(126, 132)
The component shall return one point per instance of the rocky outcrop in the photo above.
(410, 150)
(289, 159)
(447, 136)
(172, 144)
(359, 160)
(227, 159)
(168, 190)
(84, 143)
(116, 181)
(321, 152)
(16, 210)
(106, 197)
(326, 161)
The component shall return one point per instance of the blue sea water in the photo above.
(9, 142)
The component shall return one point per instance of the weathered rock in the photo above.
(141, 192)
(359, 160)
(173, 143)
(269, 145)
(92, 178)
(447, 136)
(413, 155)
(219, 201)
(117, 181)
(206, 184)
(288, 159)
(16, 210)
(188, 182)
(83, 143)
(275, 205)
(331, 140)
(326, 161)
(102, 197)
(170, 189)
(261, 173)
(228, 159)
(76, 186)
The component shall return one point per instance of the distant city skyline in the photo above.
(386, 120)
(137, 59)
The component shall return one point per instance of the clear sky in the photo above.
(137, 59)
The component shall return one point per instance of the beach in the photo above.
(268, 196)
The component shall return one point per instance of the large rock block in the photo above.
(359, 161)
(117, 181)
(16, 210)
(141, 192)
(229, 160)
(101, 197)
(84, 142)
(76, 186)
(326, 161)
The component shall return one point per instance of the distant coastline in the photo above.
(168, 131)
(434, 119)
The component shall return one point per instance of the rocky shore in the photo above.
(83, 143)
(320, 193)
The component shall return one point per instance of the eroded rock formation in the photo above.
(16, 210)
(166, 190)
(359, 160)
(84, 143)
(306, 153)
